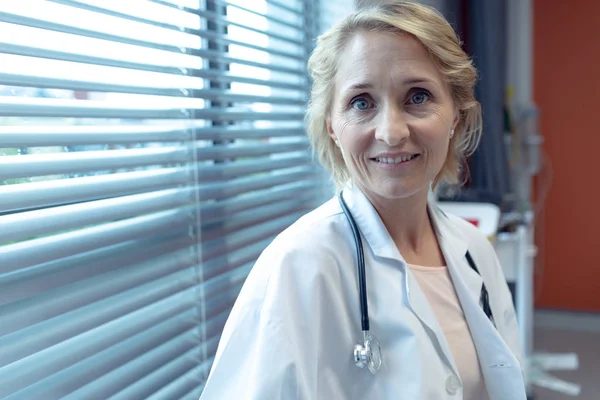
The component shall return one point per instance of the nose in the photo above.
(392, 127)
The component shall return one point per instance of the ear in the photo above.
(456, 118)
(330, 130)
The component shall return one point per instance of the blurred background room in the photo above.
(151, 149)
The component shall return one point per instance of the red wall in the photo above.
(567, 91)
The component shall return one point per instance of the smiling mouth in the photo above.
(395, 160)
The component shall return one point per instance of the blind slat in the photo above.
(37, 251)
(224, 283)
(223, 21)
(253, 217)
(37, 107)
(130, 17)
(215, 323)
(219, 20)
(14, 227)
(61, 384)
(195, 393)
(176, 90)
(243, 185)
(181, 385)
(190, 67)
(77, 162)
(243, 133)
(163, 376)
(73, 30)
(38, 366)
(52, 54)
(225, 77)
(66, 108)
(242, 238)
(20, 255)
(44, 278)
(228, 262)
(285, 6)
(29, 165)
(297, 72)
(138, 367)
(77, 295)
(60, 321)
(187, 61)
(221, 39)
(36, 136)
(266, 17)
(67, 191)
(220, 210)
(201, 33)
(271, 2)
(217, 306)
(239, 169)
(221, 152)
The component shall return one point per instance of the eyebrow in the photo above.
(367, 85)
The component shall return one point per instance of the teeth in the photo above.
(390, 160)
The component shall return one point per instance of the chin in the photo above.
(400, 191)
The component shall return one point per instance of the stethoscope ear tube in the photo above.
(362, 278)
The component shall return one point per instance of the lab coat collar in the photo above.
(453, 246)
(370, 224)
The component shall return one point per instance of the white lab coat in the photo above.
(292, 331)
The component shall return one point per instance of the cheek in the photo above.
(433, 141)
(352, 136)
(434, 133)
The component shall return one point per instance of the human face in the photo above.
(392, 114)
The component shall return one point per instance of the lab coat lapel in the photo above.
(419, 304)
(454, 248)
(376, 235)
(500, 368)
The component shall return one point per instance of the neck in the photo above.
(407, 221)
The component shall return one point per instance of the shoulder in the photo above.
(307, 247)
(301, 254)
(307, 232)
(270, 326)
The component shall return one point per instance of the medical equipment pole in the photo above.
(524, 297)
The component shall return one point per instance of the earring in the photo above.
(451, 132)
(337, 143)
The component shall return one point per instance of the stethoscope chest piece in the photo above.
(368, 354)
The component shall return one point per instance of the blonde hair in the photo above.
(432, 30)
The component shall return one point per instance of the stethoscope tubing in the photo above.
(362, 277)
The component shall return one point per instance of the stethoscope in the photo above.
(369, 352)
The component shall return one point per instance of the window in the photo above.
(149, 151)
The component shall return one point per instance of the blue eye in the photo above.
(419, 97)
(360, 104)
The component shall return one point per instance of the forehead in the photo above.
(385, 56)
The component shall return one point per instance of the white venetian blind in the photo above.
(149, 151)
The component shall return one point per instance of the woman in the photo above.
(392, 113)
